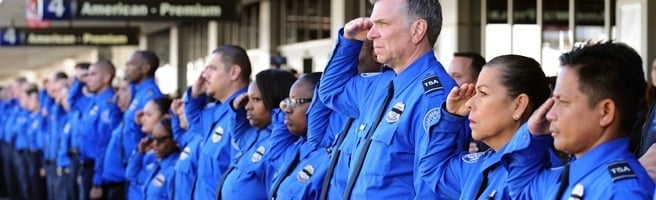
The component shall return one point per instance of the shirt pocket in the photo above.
(380, 153)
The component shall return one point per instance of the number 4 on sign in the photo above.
(57, 7)
(10, 36)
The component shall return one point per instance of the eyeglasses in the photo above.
(160, 139)
(292, 103)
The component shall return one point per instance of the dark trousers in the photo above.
(37, 182)
(3, 190)
(52, 180)
(10, 184)
(22, 166)
(115, 191)
(85, 178)
(70, 180)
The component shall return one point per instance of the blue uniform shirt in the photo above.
(159, 182)
(186, 169)
(139, 165)
(341, 171)
(19, 128)
(388, 169)
(142, 93)
(608, 171)
(187, 164)
(248, 179)
(306, 180)
(113, 161)
(217, 151)
(35, 132)
(98, 122)
(11, 108)
(56, 119)
(79, 104)
(65, 143)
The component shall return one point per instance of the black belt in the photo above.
(87, 163)
(72, 151)
(49, 162)
(115, 184)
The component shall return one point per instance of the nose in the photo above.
(470, 103)
(373, 33)
(205, 74)
(551, 115)
(287, 109)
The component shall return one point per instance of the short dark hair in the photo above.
(151, 59)
(235, 55)
(523, 75)
(274, 84)
(107, 66)
(429, 10)
(477, 62)
(609, 70)
(163, 104)
(31, 88)
(82, 65)
(166, 123)
(60, 75)
(21, 79)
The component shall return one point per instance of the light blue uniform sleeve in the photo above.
(438, 163)
(110, 118)
(528, 156)
(339, 88)
(240, 126)
(135, 164)
(318, 119)
(193, 107)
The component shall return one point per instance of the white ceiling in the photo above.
(15, 59)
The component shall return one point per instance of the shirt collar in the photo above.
(413, 72)
(595, 157)
(144, 84)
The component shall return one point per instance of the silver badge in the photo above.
(217, 135)
(577, 192)
(93, 110)
(158, 181)
(394, 114)
(67, 128)
(305, 173)
(257, 155)
(185, 153)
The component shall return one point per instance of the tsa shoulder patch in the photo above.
(472, 157)
(431, 83)
(431, 118)
(620, 170)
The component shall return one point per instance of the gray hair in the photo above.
(429, 10)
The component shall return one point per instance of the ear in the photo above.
(419, 29)
(235, 72)
(607, 110)
(145, 68)
(520, 105)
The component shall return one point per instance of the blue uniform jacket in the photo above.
(306, 179)
(388, 169)
(608, 171)
(98, 123)
(142, 93)
(217, 151)
(248, 177)
(139, 165)
(159, 182)
(186, 169)
(19, 128)
(12, 109)
(79, 104)
(56, 119)
(65, 142)
(340, 174)
(113, 160)
(35, 133)
(187, 164)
